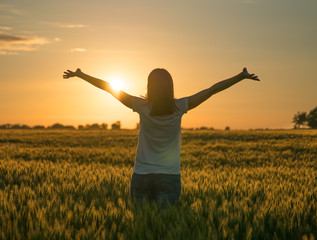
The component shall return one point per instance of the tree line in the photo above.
(300, 120)
(94, 126)
(303, 119)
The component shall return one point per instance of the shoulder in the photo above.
(138, 103)
(182, 104)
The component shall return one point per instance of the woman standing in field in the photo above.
(156, 173)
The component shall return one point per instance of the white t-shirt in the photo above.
(159, 138)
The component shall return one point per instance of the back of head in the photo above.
(160, 92)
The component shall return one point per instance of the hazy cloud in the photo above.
(73, 26)
(8, 53)
(12, 44)
(57, 39)
(78, 50)
(5, 28)
(9, 9)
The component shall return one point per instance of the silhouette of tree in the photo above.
(95, 126)
(38, 127)
(57, 126)
(5, 126)
(16, 126)
(227, 128)
(81, 127)
(104, 126)
(312, 118)
(60, 126)
(299, 119)
(116, 125)
(69, 127)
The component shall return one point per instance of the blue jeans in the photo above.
(159, 188)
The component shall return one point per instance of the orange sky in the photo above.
(198, 42)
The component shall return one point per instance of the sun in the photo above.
(116, 83)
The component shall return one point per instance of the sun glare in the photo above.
(116, 84)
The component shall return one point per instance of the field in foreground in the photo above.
(67, 184)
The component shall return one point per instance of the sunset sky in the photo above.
(199, 42)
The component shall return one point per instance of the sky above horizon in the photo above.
(199, 42)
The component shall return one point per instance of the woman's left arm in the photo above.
(200, 97)
(122, 96)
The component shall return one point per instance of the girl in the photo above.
(156, 173)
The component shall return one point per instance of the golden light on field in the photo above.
(249, 184)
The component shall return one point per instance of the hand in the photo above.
(70, 74)
(249, 76)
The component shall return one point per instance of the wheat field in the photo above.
(74, 184)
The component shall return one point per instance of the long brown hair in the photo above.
(160, 92)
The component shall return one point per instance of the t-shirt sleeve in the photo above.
(182, 105)
(137, 104)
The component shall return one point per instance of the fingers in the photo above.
(253, 77)
(68, 74)
(256, 78)
(250, 76)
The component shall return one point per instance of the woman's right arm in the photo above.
(200, 97)
(122, 96)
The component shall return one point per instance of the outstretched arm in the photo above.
(200, 97)
(122, 96)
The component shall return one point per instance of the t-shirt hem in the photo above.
(157, 172)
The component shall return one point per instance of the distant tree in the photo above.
(87, 126)
(16, 126)
(81, 127)
(227, 128)
(5, 126)
(57, 126)
(104, 126)
(38, 127)
(69, 127)
(312, 118)
(299, 119)
(95, 126)
(116, 125)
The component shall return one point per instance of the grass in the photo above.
(68, 184)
